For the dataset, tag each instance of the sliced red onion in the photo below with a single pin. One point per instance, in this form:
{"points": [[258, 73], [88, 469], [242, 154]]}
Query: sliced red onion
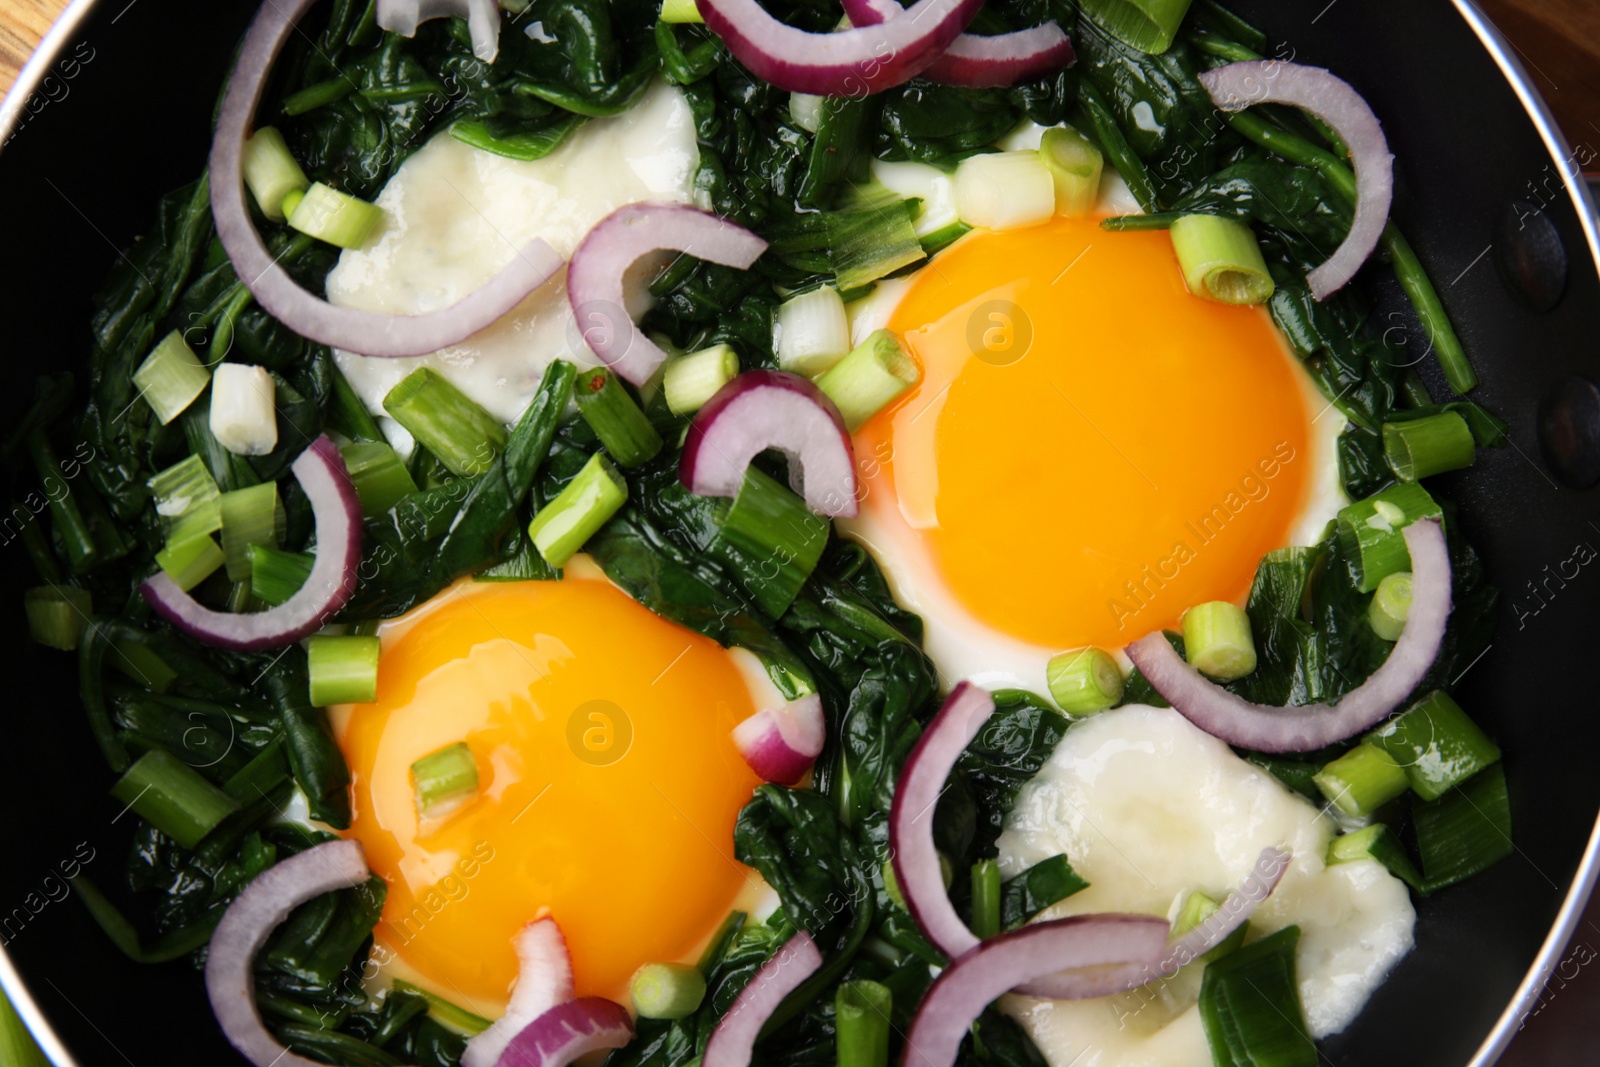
{"points": [[483, 19], [762, 409], [851, 62], [1087, 944], [780, 744], [922, 780], [544, 979], [976, 61], [369, 333], [595, 279], [1267, 81], [337, 510], [245, 927], [734, 1040], [568, 1031], [1301, 729]]}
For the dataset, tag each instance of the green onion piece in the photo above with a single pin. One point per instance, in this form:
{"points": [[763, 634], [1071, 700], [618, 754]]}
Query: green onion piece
{"points": [[443, 781], [337, 218], [1437, 743], [1084, 681], [861, 1013], [1250, 1006], [187, 499], [1391, 606], [1421, 448], [811, 332], [452, 1015], [576, 514], [1221, 260], [17, 1046], [870, 378], [190, 561], [276, 576], [171, 377], [689, 381], [249, 517], [891, 885], [448, 423], [616, 418], [943, 237], [1361, 780], [986, 898], [770, 539], [859, 245], [1197, 908], [1005, 190], [57, 615], [142, 664], [1217, 640], [806, 110], [1370, 531], [379, 475], [1464, 831], [271, 172], [170, 795], [1036, 888], [291, 200], [1375, 842], [1075, 165], [344, 669], [680, 11], [1148, 25], [667, 990]]}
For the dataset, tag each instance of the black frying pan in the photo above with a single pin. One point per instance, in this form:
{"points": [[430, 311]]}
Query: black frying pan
{"points": [[116, 108]]}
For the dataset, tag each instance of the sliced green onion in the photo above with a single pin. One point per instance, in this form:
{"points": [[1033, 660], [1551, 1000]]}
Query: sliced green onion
{"points": [[859, 245], [243, 415], [449, 424], [806, 110], [667, 990], [271, 172], [1464, 831], [1250, 1006], [1375, 842], [811, 332], [870, 378], [576, 514], [1217, 640], [337, 218], [1437, 743], [1197, 907], [170, 795], [1005, 190], [171, 377], [443, 781], [141, 663], [1391, 606], [1421, 448], [1147, 25], [57, 615], [452, 1015], [1036, 888], [276, 576], [1361, 780], [1221, 260], [379, 475], [986, 894], [942, 237], [861, 1013], [343, 669], [249, 517], [187, 499], [689, 381], [680, 11], [1084, 681], [1075, 166], [190, 561], [770, 539], [1370, 531], [616, 418], [17, 1046], [291, 200]]}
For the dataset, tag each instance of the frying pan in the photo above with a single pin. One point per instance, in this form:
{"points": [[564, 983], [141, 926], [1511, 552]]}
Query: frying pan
{"points": [[115, 110]]}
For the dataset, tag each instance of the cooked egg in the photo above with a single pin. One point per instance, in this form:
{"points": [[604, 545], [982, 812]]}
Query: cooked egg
{"points": [[608, 783], [1148, 808]]}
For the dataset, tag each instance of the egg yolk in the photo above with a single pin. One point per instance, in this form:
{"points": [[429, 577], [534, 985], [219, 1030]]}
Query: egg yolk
{"points": [[1091, 449], [608, 780]]}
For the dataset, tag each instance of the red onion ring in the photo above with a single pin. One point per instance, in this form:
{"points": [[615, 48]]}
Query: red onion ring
{"points": [[978, 62], [1302, 729], [337, 510], [369, 333], [245, 927], [1267, 81], [544, 979], [1087, 944], [568, 1031], [846, 63], [922, 778], [594, 281], [733, 1042], [483, 19], [780, 744], [762, 409]]}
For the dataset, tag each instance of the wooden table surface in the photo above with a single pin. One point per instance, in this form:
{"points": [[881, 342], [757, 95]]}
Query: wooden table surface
{"points": [[1559, 42]]}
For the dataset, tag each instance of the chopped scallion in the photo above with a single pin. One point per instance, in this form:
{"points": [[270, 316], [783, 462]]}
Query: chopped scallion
{"points": [[615, 417], [170, 795], [1197, 907], [1375, 842], [804, 108], [1391, 606], [667, 990], [1221, 260], [243, 417], [1084, 681], [870, 378], [190, 561], [986, 892], [187, 499], [689, 381], [811, 332], [861, 1015], [562, 526], [1250, 1006], [271, 172], [379, 475], [249, 517], [1433, 444], [1217, 640], [680, 11], [337, 218], [171, 377], [343, 669], [276, 576], [57, 615], [1075, 165], [1437, 743], [1464, 831], [1005, 190], [1361, 780], [770, 539], [1370, 531], [1147, 25], [444, 780], [449, 424]]}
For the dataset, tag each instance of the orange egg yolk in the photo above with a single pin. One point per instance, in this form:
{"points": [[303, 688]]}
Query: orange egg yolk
{"points": [[609, 784], [1091, 449]]}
